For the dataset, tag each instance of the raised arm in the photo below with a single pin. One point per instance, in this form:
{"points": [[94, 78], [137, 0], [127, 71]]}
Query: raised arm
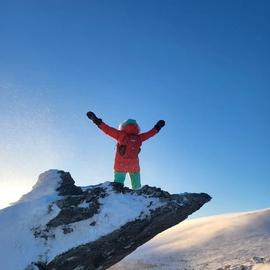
{"points": [[112, 132], [146, 135]]}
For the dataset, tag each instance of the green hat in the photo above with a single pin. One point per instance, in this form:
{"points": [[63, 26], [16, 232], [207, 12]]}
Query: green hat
{"points": [[128, 122]]}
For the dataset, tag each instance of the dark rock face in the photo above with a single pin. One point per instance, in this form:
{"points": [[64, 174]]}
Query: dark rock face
{"points": [[113, 247], [67, 186]]}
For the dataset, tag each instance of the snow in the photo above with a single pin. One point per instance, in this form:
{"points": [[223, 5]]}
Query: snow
{"points": [[207, 243], [117, 209], [18, 246], [35, 209], [262, 266], [46, 186]]}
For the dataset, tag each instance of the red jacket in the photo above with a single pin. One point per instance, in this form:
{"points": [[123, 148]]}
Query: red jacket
{"points": [[122, 164]]}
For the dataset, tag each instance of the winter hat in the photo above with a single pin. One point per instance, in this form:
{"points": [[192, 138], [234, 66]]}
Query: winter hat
{"points": [[128, 122]]}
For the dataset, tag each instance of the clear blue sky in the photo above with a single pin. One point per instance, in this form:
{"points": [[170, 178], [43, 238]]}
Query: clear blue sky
{"points": [[203, 66]]}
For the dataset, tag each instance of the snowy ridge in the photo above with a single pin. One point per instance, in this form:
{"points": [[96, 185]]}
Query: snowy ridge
{"points": [[31, 212], [58, 225], [238, 241]]}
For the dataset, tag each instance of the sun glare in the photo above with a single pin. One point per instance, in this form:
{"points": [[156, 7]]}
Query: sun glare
{"points": [[10, 194]]}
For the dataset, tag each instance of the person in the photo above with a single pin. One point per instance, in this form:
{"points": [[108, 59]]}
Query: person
{"points": [[129, 141]]}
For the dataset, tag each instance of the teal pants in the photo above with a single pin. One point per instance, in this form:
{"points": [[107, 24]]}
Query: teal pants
{"points": [[135, 178]]}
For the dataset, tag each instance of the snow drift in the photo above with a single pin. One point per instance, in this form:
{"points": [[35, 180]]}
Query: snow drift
{"points": [[61, 226], [239, 241]]}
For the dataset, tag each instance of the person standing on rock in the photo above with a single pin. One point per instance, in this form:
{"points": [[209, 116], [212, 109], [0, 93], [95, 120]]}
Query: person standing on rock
{"points": [[129, 141]]}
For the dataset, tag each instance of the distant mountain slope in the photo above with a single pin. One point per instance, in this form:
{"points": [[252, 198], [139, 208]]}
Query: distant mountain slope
{"points": [[232, 241]]}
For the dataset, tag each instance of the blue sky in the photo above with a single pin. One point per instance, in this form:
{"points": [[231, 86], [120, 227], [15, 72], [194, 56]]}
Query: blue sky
{"points": [[203, 66]]}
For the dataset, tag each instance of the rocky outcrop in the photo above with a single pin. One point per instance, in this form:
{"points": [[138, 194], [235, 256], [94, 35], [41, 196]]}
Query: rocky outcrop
{"points": [[77, 205]]}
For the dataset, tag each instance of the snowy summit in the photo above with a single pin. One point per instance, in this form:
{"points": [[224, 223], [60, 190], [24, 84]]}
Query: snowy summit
{"points": [[59, 226]]}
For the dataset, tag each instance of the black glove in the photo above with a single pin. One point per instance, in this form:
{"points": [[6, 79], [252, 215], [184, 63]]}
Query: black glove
{"points": [[160, 124], [93, 117]]}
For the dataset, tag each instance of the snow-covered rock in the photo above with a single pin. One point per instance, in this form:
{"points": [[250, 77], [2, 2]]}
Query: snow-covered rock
{"points": [[60, 226]]}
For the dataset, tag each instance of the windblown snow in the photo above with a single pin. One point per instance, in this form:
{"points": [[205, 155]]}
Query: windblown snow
{"points": [[239, 241], [19, 247]]}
